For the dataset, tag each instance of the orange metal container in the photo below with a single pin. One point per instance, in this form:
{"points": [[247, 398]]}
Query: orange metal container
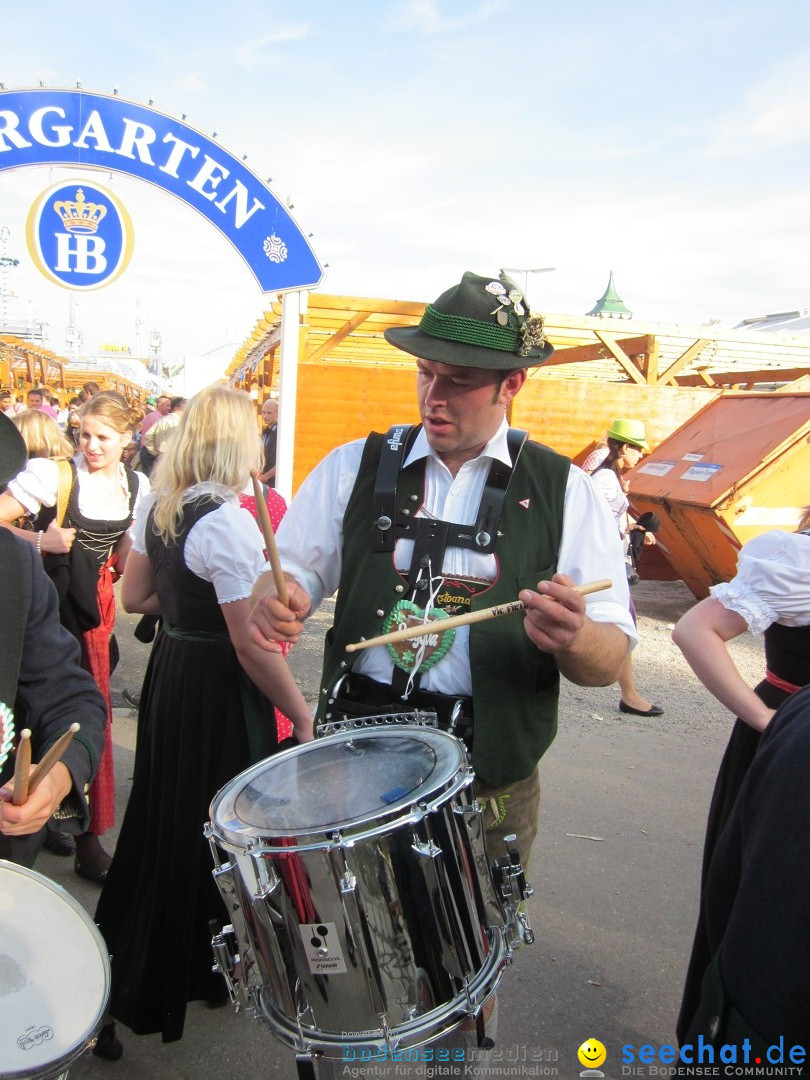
{"points": [[739, 467]]}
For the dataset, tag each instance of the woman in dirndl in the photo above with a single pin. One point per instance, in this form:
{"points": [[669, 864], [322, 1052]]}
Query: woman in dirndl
{"points": [[206, 712], [770, 595], [102, 496]]}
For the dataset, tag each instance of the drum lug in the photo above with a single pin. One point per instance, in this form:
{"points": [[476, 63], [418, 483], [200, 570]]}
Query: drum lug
{"points": [[510, 880], [226, 957], [348, 883], [429, 848]]}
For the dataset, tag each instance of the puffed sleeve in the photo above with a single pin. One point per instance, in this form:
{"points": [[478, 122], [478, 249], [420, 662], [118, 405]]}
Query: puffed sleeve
{"points": [[37, 485], [226, 548], [772, 583]]}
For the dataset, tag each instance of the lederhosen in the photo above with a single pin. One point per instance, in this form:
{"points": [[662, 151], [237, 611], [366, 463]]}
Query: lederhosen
{"points": [[381, 510]]}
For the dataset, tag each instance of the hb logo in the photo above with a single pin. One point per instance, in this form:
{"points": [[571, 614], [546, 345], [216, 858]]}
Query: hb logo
{"points": [[79, 235]]}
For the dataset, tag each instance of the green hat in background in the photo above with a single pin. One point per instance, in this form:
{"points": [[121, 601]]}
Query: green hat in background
{"points": [[629, 431], [483, 322], [13, 453]]}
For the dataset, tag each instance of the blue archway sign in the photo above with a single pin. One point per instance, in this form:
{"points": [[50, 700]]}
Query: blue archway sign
{"points": [[98, 131]]}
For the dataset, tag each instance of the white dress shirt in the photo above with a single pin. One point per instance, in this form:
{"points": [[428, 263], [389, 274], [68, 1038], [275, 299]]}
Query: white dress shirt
{"points": [[310, 544]]}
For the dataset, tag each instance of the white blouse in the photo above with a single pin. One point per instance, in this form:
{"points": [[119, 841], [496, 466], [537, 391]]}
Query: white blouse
{"points": [[607, 483], [225, 547], [772, 583], [38, 485]]}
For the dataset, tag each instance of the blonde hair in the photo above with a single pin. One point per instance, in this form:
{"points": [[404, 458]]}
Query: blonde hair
{"points": [[111, 408], [804, 520], [43, 437], [215, 441]]}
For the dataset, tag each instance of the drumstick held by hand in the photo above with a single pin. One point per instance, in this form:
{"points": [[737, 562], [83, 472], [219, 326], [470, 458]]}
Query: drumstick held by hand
{"points": [[52, 755], [438, 625], [22, 767], [269, 540]]}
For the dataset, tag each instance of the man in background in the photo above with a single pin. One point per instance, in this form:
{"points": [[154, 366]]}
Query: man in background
{"points": [[269, 438]]}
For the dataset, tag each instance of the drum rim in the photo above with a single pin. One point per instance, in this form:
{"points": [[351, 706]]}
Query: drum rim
{"points": [[250, 838], [59, 1064], [425, 1028]]}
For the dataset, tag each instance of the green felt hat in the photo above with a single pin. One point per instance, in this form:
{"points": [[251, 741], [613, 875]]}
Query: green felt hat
{"points": [[629, 431], [482, 322], [13, 454]]}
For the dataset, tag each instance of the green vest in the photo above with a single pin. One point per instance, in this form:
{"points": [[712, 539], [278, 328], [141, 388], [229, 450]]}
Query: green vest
{"points": [[515, 686]]}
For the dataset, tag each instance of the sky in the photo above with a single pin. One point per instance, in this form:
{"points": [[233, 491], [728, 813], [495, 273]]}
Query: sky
{"points": [[417, 139]]}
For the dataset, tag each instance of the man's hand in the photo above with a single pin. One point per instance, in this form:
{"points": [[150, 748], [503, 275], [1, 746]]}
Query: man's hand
{"points": [[271, 622], [57, 541], [38, 807], [555, 614], [587, 653]]}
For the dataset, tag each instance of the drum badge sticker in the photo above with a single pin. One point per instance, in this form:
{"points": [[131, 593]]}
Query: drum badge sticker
{"points": [[79, 235], [322, 948]]}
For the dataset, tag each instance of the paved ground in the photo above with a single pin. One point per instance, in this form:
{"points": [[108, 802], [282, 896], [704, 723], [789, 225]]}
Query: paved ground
{"points": [[615, 871]]}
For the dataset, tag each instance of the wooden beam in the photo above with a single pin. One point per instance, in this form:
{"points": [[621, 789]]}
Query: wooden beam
{"points": [[578, 354], [732, 378], [651, 363], [335, 339], [683, 360], [622, 359]]}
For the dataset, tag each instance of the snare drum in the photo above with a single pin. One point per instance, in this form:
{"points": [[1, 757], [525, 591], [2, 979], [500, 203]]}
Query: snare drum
{"points": [[54, 976], [362, 908]]}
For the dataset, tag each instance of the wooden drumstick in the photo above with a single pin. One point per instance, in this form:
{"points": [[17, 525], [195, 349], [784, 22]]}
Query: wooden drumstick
{"points": [[22, 768], [439, 625], [52, 755], [269, 540]]}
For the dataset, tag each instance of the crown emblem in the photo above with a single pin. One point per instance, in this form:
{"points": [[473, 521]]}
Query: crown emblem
{"points": [[80, 216]]}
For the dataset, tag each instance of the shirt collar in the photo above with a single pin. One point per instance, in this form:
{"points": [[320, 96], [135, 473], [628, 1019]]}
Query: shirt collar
{"points": [[496, 449]]}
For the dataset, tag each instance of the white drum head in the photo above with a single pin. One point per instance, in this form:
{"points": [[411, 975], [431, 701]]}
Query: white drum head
{"points": [[54, 974], [340, 783]]}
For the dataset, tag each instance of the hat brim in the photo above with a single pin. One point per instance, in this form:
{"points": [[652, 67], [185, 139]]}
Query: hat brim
{"points": [[13, 454], [413, 340], [630, 442]]}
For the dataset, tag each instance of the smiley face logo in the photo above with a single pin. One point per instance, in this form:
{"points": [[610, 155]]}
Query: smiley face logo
{"points": [[592, 1054]]}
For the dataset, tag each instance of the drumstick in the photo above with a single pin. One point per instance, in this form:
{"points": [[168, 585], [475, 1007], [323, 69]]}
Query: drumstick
{"points": [[22, 766], [439, 625], [269, 540], [52, 755]]}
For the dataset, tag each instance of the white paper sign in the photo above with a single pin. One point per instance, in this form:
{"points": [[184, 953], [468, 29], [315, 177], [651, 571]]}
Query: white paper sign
{"points": [[656, 468], [322, 948], [702, 473]]}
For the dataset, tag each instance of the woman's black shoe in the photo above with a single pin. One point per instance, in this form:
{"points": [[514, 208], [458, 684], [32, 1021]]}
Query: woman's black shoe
{"points": [[108, 1045], [654, 710], [59, 843], [90, 873]]}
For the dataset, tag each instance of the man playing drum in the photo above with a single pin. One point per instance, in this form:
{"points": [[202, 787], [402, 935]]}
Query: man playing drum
{"points": [[458, 514], [473, 515]]}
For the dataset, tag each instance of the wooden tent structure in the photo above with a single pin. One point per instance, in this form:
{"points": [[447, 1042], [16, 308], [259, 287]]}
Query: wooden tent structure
{"points": [[350, 380], [25, 365]]}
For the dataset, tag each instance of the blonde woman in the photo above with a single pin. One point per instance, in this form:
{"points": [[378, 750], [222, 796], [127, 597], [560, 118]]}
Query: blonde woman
{"points": [[43, 436], [206, 711], [101, 504]]}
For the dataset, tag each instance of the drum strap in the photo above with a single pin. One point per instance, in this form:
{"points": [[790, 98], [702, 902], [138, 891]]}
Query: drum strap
{"points": [[479, 537]]}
